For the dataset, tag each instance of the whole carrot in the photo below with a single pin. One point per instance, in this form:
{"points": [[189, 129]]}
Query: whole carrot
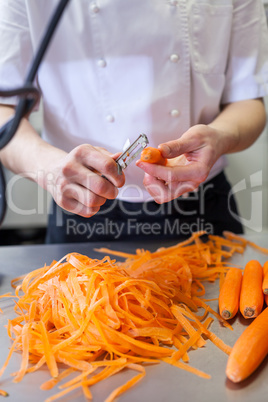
{"points": [[265, 278], [251, 296], [153, 155], [230, 293], [249, 350]]}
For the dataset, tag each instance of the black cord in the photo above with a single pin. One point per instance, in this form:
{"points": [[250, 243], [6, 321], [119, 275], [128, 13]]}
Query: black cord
{"points": [[46, 40], [3, 202], [29, 97]]}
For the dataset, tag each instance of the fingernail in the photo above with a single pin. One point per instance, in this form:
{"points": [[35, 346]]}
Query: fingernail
{"points": [[165, 149]]}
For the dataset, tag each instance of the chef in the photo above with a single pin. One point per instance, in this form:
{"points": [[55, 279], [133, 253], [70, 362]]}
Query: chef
{"points": [[190, 74]]}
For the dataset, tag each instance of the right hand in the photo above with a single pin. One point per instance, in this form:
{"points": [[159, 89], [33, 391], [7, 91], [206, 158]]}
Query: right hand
{"points": [[76, 180]]}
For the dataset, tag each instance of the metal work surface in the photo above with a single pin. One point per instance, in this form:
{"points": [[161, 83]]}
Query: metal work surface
{"points": [[162, 383]]}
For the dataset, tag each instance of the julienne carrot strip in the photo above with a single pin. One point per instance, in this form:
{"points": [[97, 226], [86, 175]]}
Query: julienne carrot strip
{"points": [[25, 352], [87, 392], [3, 393], [54, 381], [117, 253], [236, 242], [6, 295], [118, 391], [222, 320], [79, 377], [79, 310], [245, 242], [50, 358], [179, 342], [15, 340], [186, 367], [251, 296], [219, 343], [189, 343]]}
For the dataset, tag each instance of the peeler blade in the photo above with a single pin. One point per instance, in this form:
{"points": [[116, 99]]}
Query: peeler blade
{"points": [[132, 152]]}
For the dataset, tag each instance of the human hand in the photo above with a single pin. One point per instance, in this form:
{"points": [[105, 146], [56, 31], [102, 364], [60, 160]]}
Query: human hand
{"points": [[81, 181], [190, 159]]}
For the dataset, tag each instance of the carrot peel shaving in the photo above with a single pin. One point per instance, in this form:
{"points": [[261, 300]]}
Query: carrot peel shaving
{"points": [[99, 317]]}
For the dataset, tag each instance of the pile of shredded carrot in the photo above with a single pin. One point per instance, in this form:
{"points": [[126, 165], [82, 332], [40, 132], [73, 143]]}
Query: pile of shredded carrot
{"points": [[99, 317]]}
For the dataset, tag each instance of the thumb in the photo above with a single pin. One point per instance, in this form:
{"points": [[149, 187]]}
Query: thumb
{"points": [[171, 149], [116, 155]]}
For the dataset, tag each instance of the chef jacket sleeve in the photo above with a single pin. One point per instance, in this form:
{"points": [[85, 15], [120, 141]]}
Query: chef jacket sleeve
{"points": [[16, 51], [247, 67]]}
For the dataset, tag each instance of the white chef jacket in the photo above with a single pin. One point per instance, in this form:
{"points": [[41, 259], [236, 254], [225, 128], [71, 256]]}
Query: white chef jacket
{"points": [[118, 68]]}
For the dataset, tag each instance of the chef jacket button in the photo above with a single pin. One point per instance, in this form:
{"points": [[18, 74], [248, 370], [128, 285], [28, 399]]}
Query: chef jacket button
{"points": [[94, 8], [174, 58], [175, 113], [110, 118], [102, 63], [173, 2]]}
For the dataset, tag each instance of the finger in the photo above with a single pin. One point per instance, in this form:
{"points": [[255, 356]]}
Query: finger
{"points": [[101, 162], [180, 188], [94, 182], [75, 207], [160, 191], [116, 155], [157, 189], [75, 172], [164, 192], [73, 192], [192, 172], [190, 141]]}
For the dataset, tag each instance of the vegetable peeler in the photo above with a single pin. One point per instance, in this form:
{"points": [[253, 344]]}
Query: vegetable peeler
{"points": [[132, 152]]}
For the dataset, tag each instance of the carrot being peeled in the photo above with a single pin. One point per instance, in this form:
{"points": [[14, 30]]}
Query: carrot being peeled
{"points": [[230, 293], [153, 155], [251, 296], [249, 350]]}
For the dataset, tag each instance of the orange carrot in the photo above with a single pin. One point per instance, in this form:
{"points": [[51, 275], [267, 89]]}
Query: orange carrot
{"points": [[230, 293], [153, 155], [3, 393], [249, 350], [251, 296], [265, 278]]}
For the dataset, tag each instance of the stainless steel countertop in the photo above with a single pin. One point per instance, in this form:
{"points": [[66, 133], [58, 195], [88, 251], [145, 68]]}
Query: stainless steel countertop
{"points": [[163, 383]]}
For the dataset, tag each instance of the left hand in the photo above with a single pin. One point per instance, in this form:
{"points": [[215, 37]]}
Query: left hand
{"points": [[190, 159]]}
